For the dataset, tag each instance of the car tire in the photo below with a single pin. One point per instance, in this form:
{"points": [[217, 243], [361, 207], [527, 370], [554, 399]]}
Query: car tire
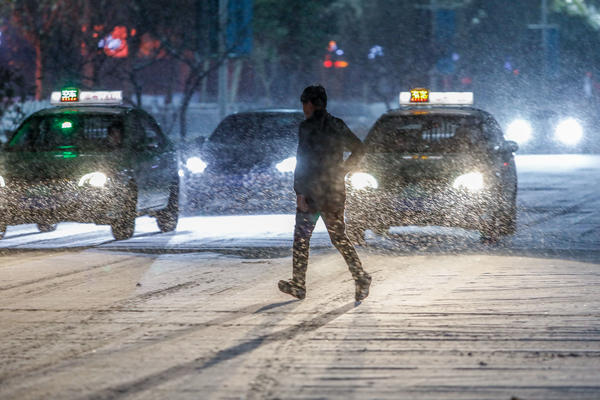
{"points": [[46, 227], [167, 218], [500, 223], [2, 230], [123, 227]]}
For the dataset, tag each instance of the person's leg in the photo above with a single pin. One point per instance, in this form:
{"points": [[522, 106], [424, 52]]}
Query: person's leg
{"points": [[305, 224], [334, 221]]}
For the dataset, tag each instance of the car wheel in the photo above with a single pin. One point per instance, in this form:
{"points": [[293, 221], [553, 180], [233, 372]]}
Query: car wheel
{"points": [[168, 217], [46, 227], [507, 223], [2, 230], [123, 227]]}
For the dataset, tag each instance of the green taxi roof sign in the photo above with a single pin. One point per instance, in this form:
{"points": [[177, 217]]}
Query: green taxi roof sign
{"points": [[72, 96]]}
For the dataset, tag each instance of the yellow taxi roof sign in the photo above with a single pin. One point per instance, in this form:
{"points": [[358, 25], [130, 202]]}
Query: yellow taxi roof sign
{"points": [[425, 97]]}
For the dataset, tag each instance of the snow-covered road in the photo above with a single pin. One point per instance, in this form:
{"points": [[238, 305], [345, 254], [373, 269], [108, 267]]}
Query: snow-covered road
{"points": [[196, 314]]}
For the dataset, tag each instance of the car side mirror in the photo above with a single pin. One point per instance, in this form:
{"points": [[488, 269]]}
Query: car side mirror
{"points": [[511, 145]]}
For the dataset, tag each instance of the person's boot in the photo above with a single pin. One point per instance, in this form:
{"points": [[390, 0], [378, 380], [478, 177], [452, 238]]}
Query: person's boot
{"points": [[292, 288], [362, 287]]}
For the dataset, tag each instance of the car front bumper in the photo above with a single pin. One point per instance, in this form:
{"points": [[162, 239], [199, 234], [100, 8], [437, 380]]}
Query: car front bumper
{"points": [[253, 191], [59, 202], [448, 207]]}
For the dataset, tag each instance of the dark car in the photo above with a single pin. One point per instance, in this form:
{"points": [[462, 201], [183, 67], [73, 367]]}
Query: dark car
{"points": [[446, 166], [94, 163], [553, 130], [247, 164]]}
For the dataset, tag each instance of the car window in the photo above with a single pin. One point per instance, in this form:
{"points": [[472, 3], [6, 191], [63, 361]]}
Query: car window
{"points": [[280, 127], [414, 134], [245, 128], [62, 131]]}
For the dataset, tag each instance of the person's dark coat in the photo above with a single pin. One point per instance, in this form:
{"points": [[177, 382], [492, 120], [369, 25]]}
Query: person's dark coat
{"points": [[320, 166]]}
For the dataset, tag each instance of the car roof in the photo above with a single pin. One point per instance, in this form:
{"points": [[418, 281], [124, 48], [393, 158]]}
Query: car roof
{"points": [[109, 110], [460, 111], [268, 111]]}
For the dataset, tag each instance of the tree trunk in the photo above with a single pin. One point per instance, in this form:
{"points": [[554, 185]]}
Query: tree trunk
{"points": [[39, 68]]}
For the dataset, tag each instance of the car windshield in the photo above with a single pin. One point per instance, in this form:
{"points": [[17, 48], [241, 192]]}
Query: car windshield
{"points": [[91, 132], [245, 128], [431, 134]]}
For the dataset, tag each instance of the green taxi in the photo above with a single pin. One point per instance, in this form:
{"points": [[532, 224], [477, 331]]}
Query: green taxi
{"points": [[89, 159]]}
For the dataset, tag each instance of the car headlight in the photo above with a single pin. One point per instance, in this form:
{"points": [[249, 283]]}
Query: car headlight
{"points": [[287, 165], [96, 179], [362, 181], [568, 132], [2, 182], [195, 165], [519, 130], [473, 181]]}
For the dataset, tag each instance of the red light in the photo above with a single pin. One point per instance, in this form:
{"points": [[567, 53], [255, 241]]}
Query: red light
{"points": [[506, 164], [341, 64], [516, 72], [327, 63]]}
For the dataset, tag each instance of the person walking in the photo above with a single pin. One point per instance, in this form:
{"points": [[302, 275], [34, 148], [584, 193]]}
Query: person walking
{"points": [[319, 183]]}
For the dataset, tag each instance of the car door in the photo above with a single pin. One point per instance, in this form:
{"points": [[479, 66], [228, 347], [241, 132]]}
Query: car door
{"points": [[162, 165]]}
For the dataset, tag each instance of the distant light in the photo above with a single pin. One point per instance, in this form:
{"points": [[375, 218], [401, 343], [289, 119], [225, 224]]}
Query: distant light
{"points": [[569, 132], [520, 131], [341, 64], [332, 46], [375, 51], [2, 182], [455, 56], [328, 63], [515, 72], [339, 52], [508, 65], [195, 165], [66, 125]]}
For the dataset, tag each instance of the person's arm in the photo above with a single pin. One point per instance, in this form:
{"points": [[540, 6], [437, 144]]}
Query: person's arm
{"points": [[356, 147], [301, 203]]}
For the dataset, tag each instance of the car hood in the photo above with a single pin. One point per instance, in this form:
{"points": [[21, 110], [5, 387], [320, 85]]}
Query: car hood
{"points": [[39, 166], [393, 169], [240, 158]]}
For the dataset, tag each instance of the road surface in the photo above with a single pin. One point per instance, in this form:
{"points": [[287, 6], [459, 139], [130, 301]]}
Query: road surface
{"points": [[196, 313]]}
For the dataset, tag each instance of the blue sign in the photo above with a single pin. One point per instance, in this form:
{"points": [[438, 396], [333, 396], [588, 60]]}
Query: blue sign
{"points": [[239, 27]]}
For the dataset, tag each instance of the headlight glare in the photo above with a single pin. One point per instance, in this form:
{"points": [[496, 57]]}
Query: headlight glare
{"points": [[287, 165], [362, 181], [472, 181], [569, 132], [519, 130], [195, 165], [95, 179]]}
